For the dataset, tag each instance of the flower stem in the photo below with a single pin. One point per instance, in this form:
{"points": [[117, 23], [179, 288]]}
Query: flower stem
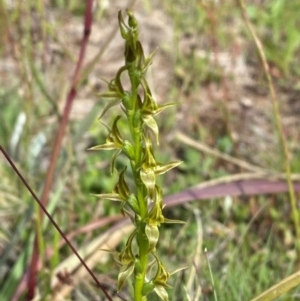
{"points": [[136, 132], [140, 110]]}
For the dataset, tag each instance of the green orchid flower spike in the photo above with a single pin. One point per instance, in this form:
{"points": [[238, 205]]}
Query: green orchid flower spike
{"points": [[143, 203]]}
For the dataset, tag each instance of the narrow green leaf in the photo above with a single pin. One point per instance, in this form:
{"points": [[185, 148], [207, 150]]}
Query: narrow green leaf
{"points": [[280, 288], [178, 270], [140, 58], [159, 109], [173, 221], [109, 94], [106, 146], [163, 168], [148, 61], [124, 29], [109, 196]]}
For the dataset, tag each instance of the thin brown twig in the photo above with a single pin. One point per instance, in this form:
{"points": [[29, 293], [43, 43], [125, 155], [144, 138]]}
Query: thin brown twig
{"points": [[216, 153], [53, 222]]}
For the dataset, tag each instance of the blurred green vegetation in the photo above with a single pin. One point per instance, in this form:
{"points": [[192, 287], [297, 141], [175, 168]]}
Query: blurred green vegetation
{"points": [[250, 241]]}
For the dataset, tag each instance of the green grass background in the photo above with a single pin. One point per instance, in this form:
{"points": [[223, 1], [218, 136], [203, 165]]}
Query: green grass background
{"points": [[250, 241]]}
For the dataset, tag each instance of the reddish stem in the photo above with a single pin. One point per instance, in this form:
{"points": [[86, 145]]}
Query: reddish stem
{"points": [[33, 270]]}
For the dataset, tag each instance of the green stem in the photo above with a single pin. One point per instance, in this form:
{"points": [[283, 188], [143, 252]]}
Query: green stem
{"points": [[136, 129], [143, 256]]}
